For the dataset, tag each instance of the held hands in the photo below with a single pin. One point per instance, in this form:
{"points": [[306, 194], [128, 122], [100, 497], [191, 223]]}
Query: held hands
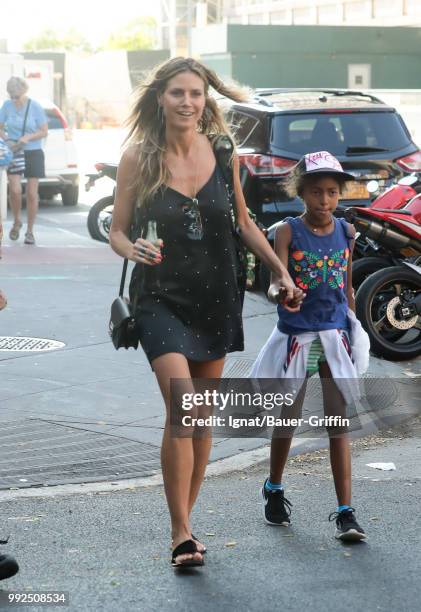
{"points": [[286, 294], [146, 252]]}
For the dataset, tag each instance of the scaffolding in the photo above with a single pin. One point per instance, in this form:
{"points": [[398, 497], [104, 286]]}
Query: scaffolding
{"points": [[178, 17]]}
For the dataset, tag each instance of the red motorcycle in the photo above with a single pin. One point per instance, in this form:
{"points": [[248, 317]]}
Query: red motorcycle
{"points": [[370, 255], [388, 302]]}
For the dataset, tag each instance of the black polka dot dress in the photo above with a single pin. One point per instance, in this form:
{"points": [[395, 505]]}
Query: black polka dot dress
{"points": [[190, 303]]}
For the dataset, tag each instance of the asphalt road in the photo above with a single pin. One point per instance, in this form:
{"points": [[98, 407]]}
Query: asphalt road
{"points": [[110, 551]]}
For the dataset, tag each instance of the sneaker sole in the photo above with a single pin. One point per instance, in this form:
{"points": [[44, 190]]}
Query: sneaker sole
{"points": [[350, 536], [284, 524]]}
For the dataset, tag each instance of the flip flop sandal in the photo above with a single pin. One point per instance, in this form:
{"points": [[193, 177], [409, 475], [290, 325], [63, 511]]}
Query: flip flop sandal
{"points": [[29, 238], [202, 552], [14, 232], [185, 548]]}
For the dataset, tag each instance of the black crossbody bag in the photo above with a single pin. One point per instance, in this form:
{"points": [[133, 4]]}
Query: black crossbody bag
{"points": [[122, 326]]}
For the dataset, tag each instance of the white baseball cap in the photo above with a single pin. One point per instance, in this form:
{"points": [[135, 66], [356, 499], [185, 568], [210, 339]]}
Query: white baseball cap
{"points": [[322, 162]]}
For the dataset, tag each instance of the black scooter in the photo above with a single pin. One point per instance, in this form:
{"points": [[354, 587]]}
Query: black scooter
{"points": [[101, 214]]}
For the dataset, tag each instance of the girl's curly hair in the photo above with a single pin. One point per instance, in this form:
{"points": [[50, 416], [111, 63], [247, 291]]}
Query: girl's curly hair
{"points": [[298, 180]]}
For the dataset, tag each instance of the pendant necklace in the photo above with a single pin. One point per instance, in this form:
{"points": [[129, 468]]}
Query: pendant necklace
{"points": [[317, 229]]}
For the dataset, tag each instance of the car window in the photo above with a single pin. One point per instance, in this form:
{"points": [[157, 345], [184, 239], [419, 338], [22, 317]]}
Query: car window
{"points": [[336, 132], [243, 127]]}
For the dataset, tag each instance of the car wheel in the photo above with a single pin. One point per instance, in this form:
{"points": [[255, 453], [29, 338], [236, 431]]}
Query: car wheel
{"points": [[70, 195], [46, 194]]}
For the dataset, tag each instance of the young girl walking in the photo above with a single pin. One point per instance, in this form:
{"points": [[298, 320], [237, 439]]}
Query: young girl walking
{"points": [[317, 248]]}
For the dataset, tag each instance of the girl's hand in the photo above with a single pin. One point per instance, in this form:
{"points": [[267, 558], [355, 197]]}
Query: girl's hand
{"points": [[294, 304], [281, 295], [146, 252]]}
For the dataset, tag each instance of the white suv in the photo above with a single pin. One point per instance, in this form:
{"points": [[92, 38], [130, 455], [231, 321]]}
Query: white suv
{"points": [[61, 164]]}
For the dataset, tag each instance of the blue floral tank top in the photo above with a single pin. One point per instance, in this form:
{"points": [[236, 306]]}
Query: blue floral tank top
{"points": [[318, 265]]}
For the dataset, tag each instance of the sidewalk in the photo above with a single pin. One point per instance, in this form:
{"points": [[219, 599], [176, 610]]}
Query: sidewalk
{"points": [[110, 551], [87, 413]]}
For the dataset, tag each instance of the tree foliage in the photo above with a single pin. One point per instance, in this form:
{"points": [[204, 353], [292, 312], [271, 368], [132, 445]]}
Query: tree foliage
{"points": [[139, 33], [50, 40]]}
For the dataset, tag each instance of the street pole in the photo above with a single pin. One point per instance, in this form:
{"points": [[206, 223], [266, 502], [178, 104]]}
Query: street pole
{"points": [[189, 26]]}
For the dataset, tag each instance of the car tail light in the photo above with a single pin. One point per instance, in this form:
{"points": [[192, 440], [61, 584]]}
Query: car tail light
{"points": [[266, 165], [57, 112], [411, 163]]}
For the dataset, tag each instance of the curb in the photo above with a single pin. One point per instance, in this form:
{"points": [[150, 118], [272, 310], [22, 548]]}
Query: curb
{"points": [[228, 465]]}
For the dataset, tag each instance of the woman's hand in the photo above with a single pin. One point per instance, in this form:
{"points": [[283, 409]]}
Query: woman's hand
{"points": [[291, 298], [14, 145], [3, 300], [146, 252], [23, 140]]}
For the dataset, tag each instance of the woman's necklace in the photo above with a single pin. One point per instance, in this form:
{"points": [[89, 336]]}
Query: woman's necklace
{"points": [[196, 172], [318, 228]]}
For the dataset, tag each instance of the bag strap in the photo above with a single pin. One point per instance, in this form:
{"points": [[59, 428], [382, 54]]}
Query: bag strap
{"points": [[26, 116], [123, 277], [348, 233], [223, 149], [136, 227]]}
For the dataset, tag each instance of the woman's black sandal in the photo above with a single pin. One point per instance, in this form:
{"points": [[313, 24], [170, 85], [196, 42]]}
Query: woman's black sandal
{"points": [[202, 552], [186, 548]]}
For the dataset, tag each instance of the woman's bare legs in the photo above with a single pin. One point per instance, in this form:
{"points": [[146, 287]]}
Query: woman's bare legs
{"points": [[15, 196], [31, 201], [340, 450], [183, 459], [202, 445]]}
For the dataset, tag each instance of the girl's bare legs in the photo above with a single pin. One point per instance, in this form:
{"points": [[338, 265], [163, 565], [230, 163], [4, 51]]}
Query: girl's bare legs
{"points": [[31, 201], [15, 196], [340, 450], [183, 460], [282, 438]]}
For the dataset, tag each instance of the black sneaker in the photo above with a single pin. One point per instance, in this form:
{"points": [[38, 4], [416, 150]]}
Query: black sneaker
{"points": [[276, 507], [8, 565], [347, 528]]}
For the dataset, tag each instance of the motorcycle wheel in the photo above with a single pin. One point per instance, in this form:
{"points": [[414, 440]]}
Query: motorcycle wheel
{"points": [[99, 219], [362, 268], [376, 307]]}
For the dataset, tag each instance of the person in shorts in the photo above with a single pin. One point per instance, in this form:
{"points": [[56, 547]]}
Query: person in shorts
{"points": [[317, 249], [23, 123]]}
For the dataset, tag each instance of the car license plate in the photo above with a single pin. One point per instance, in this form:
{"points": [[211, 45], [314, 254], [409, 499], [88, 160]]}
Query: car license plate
{"points": [[355, 191]]}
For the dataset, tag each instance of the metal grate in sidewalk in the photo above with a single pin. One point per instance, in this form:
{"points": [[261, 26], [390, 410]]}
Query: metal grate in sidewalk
{"points": [[237, 367], [36, 453], [23, 344]]}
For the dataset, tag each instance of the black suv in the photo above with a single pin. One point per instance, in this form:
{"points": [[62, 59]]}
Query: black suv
{"points": [[275, 128]]}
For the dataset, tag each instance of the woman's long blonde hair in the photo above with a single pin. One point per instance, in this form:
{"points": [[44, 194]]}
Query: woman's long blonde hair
{"points": [[147, 128]]}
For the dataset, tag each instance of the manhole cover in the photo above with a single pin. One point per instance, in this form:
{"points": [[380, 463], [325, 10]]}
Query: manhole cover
{"points": [[15, 343], [36, 453]]}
